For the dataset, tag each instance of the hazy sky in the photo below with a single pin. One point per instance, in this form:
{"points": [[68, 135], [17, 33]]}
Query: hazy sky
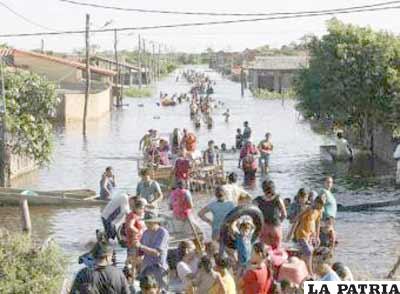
{"points": [[62, 16]]}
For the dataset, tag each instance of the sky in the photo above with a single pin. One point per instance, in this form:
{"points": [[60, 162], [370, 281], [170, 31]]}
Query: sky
{"points": [[233, 37]]}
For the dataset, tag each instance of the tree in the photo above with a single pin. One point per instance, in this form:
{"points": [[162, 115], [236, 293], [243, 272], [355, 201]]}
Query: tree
{"points": [[353, 79], [30, 101]]}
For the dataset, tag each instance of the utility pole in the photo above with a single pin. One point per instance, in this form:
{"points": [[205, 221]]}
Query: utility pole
{"points": [[140, 64], [242, 81], [149, 67], [4, 159], [87, 74], [158, 62], [153, 63], [146, 74], [119, 88]]}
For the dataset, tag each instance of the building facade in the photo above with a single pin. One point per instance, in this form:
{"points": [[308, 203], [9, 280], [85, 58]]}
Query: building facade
{"points": [[274, 73]]}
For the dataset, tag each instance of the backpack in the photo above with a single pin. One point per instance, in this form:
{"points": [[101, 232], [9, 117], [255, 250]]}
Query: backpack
{"points": [[85, 282]]}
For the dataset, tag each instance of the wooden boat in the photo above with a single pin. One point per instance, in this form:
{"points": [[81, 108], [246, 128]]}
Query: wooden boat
{"points": [[206, 177], [78, 197], [330, 152], [157, 172], [168, 102], [368, 206]]}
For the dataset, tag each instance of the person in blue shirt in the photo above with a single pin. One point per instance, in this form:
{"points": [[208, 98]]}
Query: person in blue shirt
{"points": [[218, 209], [243, 234], [330, 208]]}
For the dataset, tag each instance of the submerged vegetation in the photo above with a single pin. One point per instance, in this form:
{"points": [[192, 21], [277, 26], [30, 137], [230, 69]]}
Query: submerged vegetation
{"points": [[26, 268], [135, 92], [266, 94]]}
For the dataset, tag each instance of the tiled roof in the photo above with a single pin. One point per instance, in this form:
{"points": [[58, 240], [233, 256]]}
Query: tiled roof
{"points": [[17, 52], [6, 52], [124, 64], [279, 62]]}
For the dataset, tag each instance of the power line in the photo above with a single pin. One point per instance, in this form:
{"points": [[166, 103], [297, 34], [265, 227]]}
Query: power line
{"points": [[199, 23], [223, 13], [25, 18]]}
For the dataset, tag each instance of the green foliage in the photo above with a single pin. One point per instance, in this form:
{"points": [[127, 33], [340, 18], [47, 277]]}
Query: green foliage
{"points": [[27, 269], [293, 49], [138, 93], [353, 78], [193, 58], [266, 94], [30, 100], [169, 67]]}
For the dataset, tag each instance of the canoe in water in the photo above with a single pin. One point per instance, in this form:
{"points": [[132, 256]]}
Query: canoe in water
{"points": [[330, 152], [368, 206], [168, 102], [78, 197]]}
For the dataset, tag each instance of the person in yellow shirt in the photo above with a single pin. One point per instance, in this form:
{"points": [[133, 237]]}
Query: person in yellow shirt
{"points": [[306, 230], [227, 283]]}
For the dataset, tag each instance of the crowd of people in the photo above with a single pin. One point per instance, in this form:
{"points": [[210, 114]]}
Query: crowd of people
{"points": [[257, 261], [237, 243]]}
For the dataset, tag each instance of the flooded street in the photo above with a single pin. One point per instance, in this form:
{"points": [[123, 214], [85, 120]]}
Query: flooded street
{"points": [[368, 242]]}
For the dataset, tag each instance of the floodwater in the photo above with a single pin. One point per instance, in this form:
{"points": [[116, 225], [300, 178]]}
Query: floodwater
{"points": [[368, 241]]}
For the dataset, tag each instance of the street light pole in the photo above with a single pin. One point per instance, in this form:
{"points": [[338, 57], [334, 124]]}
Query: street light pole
{"points": [[4, 162]]}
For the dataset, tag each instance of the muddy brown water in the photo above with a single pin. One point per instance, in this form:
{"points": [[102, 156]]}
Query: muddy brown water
{"points": [[368, 241]]}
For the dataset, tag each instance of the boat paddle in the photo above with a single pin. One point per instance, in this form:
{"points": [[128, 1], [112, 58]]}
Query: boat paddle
{"points": [[196, 235]]}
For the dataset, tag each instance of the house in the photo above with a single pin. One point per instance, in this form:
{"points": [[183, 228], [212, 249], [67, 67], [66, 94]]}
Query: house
{"points": [[129, 72], [236, 72], [69, 78], [274, 73]]}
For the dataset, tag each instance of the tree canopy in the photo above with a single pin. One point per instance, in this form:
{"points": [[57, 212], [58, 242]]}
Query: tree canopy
{"points": [[30, 101], [353, 77]]}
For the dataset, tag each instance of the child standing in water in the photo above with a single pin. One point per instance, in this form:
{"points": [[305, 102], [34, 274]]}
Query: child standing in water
{"points": [[227, 114], [243, 233], [239, 139]]}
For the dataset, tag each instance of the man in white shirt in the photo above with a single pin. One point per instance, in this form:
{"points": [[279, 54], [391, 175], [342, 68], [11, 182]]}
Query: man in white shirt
{"points": [[396, 156], [233, 190], [343, 150], [113, 215]]}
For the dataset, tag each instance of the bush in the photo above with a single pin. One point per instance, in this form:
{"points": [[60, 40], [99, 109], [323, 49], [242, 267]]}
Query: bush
{"points": [[266, 94], [25, 268], [138, 93]]}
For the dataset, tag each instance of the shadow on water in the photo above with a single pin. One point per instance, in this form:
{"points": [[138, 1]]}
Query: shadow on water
{"points": [[365, 238]]}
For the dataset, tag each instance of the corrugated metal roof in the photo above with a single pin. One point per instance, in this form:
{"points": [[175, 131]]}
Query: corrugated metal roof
{"points": [[17, 52], [279, 62]]}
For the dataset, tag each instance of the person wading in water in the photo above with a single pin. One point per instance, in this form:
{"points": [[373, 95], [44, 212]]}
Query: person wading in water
{"points": [[274, 212], [107, 184], [265, 147]]}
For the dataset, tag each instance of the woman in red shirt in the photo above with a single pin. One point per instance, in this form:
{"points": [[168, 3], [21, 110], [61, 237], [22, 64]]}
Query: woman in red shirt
{"points": [[258, 278]]}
